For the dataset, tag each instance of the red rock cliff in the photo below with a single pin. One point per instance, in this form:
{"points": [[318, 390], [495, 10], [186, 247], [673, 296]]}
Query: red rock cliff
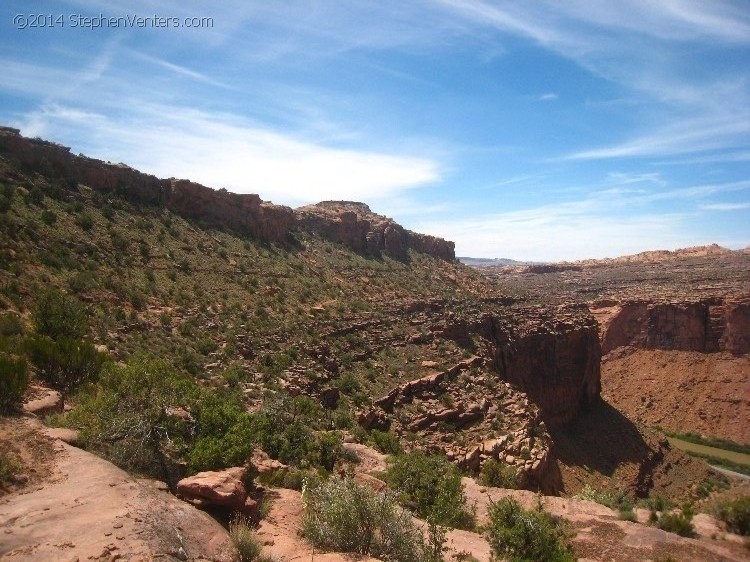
{"points": [[553, 357], [705, 326], [356, 226], [243, 213], [552, 354]]}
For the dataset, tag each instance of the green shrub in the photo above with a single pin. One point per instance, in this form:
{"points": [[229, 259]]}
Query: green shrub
{"points": [[58, 315], [64, 363], [736, 514], [48, 217], [9, 467], [498, 474], [680, 523], [14, 380], [293, 479], [431, 487], [618, 499], [135, 416], [223, 430], [343, 516], [385, 442], [85, 221], [656, 503], [10, 324], [521, 535]]}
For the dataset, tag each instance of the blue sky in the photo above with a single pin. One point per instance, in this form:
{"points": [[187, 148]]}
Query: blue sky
{"points": [[540, 130]]}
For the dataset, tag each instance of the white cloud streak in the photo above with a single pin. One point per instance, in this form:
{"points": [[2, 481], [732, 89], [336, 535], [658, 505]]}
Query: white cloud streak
{"points": [[220, 150]]}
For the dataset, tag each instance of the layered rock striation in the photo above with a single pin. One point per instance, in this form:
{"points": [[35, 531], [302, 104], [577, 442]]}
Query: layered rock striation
{"points": [[352, 224], [707, 325], [356, 226]]}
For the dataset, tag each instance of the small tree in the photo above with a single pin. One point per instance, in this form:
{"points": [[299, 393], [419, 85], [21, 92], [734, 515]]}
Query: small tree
{"points": [[58, 315], [134, 416]]}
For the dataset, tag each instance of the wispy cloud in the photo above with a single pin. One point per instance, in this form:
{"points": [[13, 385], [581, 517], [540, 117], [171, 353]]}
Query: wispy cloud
{"points": [[726, 206], [605, 223], [177, 69], [220, 150], [548, 97], [696, 135]]}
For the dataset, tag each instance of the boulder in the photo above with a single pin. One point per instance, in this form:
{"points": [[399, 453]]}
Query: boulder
{"points": [[48, 402], [221, 488]]}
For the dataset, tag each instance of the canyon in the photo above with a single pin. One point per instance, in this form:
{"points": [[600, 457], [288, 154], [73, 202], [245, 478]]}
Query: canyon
{"points": [[550, 370]]}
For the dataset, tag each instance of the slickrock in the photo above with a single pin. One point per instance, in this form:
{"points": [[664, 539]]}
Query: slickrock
{"points": [[45, 401], [87, 509]]}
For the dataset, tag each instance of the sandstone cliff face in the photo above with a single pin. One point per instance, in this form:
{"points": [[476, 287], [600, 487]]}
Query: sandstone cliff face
{"points": [[706, 326], [352, 224], [242, 213], [356, 226], [554, 360]]}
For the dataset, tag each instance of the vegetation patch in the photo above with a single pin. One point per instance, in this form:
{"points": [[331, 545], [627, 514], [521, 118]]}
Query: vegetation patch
{"points": [[522, 535], [14, 380], [736, 515], [498, 474], [431, 487], [340, 515]]}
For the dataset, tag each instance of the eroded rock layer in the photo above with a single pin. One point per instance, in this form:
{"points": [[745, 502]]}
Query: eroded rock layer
{"points": [[706, 326], [356, 226]]}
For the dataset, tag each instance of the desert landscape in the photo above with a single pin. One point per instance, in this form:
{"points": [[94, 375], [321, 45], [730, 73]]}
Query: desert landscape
{"points": [[194, 374]]}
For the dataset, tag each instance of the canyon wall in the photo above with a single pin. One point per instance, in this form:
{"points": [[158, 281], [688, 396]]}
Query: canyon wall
{"points": [[555, 360], [243, 213], [706, 326], [352, 224]]}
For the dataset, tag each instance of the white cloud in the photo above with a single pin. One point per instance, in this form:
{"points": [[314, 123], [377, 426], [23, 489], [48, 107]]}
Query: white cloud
{"points": [[607, 223], [696, 135], [219, 150], [550, 237], [547, 97]]}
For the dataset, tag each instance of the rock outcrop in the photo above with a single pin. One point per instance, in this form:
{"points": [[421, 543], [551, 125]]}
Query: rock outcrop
{"points": [[352, 224], [706, 326], [552, 356], [356, 226], [85, 508], [240, 212]]}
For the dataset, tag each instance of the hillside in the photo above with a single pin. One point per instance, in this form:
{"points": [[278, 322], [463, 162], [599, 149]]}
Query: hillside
{"points": [[227, 324]]}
